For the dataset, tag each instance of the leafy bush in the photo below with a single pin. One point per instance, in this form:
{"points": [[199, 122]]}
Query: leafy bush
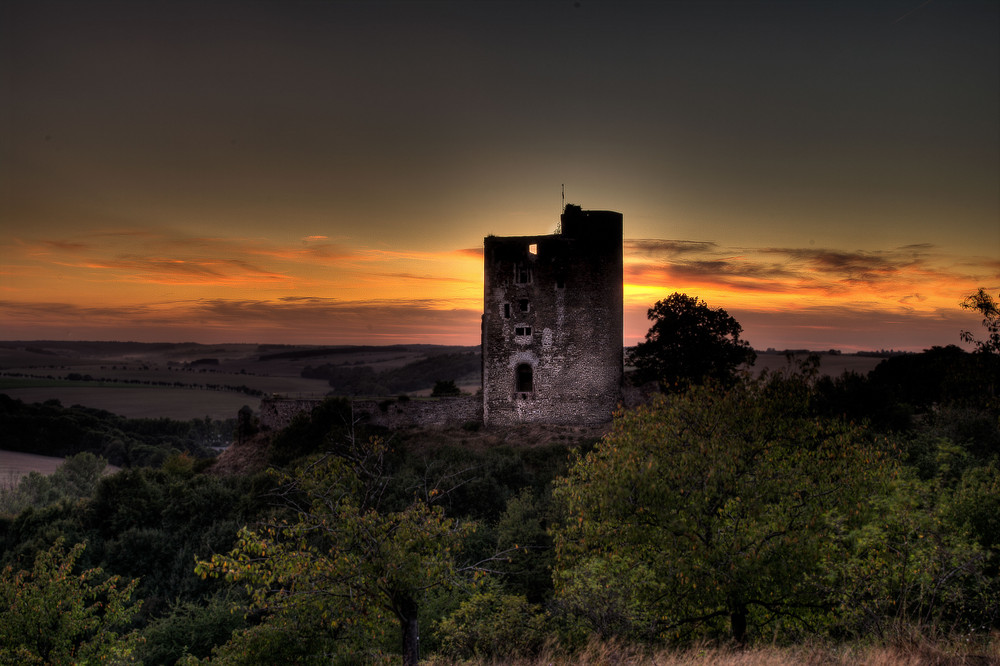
{"points": [[491, 624], [52, 615]]}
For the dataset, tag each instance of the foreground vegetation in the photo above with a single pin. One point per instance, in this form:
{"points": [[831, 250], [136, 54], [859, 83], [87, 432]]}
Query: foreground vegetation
{"points": [[783, 519], [907, 651]]}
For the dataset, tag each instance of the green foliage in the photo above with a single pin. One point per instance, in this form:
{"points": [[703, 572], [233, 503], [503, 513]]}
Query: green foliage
{"points": [[689, 344], [701, 513], [54, 430], [522, 533], [75, 478], [913, 564], [152, 524], [343, 568], [330, 426], [902, 389], [51, 615], [707, 507], [492, 625], [189, 630], [145, 523]]}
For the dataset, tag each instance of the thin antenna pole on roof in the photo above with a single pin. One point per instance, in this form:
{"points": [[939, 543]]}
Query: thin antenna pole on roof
{"points": [[564, 196]]}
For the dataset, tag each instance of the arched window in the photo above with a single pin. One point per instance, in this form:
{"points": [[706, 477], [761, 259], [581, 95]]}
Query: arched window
{"points": [[525, 382]]}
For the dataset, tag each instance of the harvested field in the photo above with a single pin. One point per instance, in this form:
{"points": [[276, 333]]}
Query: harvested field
{"points": [[14, 465], [832, 365], [181, 404], [151, 381]]}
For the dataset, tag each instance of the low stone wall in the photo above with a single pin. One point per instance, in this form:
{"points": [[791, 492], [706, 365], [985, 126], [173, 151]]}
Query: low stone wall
{"points": [[424, 412], [277, 413]]}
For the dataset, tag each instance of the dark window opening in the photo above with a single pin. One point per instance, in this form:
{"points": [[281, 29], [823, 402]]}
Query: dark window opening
{"points": [[522, 330], [506, 310], [560, 282], [525, 383], [523, 304], [522, 274]]}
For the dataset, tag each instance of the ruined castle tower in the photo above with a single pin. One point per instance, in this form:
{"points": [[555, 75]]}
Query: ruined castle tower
{"points": [[552, 323]]}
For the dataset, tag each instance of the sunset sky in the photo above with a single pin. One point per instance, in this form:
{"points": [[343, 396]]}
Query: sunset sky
{"points": [[324, 172]]}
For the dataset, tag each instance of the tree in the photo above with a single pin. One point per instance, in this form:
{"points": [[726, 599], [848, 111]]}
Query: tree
{"points": [[709, 506], [76, 477], [984, 304], [688, 344], [915, 563], [50, 615], [493, 625], [344, 565], [445, 388]]}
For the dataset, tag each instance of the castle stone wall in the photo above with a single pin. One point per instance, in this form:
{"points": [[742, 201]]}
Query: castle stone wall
{"points": [[553, 323], [552, 334], [277, 413]]}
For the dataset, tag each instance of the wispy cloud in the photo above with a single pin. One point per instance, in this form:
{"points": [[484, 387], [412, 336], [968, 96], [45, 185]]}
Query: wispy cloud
{"points": [[162, 270], [668, 248], [66, 246], [313, 289], [295, 319], [424, 278], [906, 275]]}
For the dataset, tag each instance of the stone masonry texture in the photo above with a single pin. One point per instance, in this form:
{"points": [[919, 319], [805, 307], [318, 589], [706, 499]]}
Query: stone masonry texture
{"points": [[552, 323]]}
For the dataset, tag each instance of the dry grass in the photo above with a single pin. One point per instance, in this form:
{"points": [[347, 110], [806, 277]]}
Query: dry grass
{"points": [[613, 654]]}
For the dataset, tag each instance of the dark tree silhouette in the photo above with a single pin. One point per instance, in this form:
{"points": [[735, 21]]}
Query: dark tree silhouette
{"points": [[444, 388], [688, 344], [984, 304]]}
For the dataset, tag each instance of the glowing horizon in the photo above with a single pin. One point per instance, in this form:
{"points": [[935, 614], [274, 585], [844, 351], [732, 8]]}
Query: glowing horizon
{"points": [[324, 173], [315, 290]]}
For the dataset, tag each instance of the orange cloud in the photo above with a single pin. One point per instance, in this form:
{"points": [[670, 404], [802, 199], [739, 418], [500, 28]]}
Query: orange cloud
{"points": [[886, 276], [471, 252], [239, 289], [158, 270], [291, 319]]}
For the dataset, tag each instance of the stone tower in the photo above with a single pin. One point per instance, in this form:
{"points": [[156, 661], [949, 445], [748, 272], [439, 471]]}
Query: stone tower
{"points": [[552, 323]]}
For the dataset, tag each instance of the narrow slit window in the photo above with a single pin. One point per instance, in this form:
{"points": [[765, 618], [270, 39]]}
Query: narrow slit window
{"points": [[525, 379], [506, 310]]}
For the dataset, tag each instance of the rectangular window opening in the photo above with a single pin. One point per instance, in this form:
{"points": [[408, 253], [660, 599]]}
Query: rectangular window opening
{"points": [[522, 330], [523, 304], [506, 310], [522, 274], [533, 248]]}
